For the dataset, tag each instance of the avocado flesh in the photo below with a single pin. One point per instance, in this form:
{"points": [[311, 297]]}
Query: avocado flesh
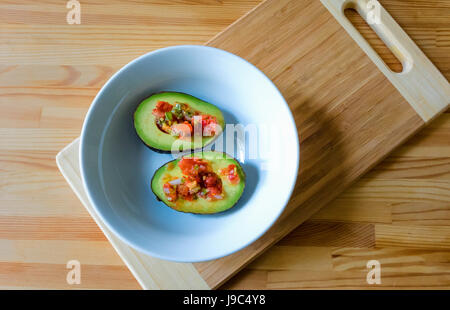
{"points": [[152, 136], [231, 192]]}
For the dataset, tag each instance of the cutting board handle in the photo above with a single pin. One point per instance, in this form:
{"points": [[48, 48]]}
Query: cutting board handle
{"points": [[420, 82]]}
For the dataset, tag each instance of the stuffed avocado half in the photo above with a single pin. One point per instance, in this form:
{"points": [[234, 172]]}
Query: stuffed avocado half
{"points": [[171, 121], [202, 182]]}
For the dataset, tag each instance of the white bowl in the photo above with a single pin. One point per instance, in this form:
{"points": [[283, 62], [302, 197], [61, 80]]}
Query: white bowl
{"points": [[117, 167]]}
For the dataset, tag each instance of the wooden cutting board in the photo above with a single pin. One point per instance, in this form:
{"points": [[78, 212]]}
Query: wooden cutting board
{"points": [[350, 111]]}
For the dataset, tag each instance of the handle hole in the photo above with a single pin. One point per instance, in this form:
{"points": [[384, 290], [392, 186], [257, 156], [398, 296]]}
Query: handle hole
{"points": [[374, 40]]}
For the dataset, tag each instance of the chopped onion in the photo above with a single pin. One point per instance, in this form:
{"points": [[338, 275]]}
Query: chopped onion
{"points": [[218, 196], [175, 182], [166, 190]]}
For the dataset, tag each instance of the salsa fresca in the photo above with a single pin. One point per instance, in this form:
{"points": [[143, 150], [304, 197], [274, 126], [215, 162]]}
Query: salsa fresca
{"points": [[198, 181], [231, 173], [181, 121]]}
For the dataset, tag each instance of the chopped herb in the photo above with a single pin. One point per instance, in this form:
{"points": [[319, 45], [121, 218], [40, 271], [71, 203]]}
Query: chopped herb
{"points": [[169, 116], [177, 111]]}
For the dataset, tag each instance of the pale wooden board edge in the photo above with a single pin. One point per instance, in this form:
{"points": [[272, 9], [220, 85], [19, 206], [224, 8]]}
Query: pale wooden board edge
{"points": [[421, 84], [150, 272]]}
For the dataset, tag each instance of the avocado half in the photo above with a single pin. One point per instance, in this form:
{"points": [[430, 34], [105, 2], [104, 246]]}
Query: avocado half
{"points": [[153, 137], [217, 160]]}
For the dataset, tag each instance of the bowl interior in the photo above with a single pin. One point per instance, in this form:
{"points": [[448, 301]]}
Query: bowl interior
{"points": [[117, 167]]}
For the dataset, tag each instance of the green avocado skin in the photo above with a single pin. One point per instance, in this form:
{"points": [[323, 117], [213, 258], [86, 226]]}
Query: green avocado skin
{"points": [[161, 142], [217, 160]]}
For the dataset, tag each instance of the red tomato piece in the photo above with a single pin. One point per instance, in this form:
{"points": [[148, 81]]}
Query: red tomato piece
{"points": [[192, 166], [183, 190], [212, 191], [210, 180], [208, 124], [231, 173], [181, 130], [161, 108]]}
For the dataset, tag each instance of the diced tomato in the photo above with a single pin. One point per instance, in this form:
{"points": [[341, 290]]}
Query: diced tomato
{"points": [[183, 191], [212, 191], [210, 130], [192, 166], [231, 173], [181, 130], [164, 106], [208, 124], [198, 181], [186, 165], [211, 179], [189, 125], [215, 192], [234, 178], [158, 114], [189, 197], [161, 108], [214, 185], [208, 119], [170, 192]]}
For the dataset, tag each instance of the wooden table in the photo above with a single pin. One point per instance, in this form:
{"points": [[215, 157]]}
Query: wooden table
{"points": [[50, 71]]}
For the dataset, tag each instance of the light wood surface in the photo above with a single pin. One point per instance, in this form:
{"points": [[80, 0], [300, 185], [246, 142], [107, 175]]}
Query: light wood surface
{"points": [[420, 82], [50, 72]]}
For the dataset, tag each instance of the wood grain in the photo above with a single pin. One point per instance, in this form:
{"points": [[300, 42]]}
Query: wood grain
{"points": [[419, 82], [46, 63], [346, 124], [345, 268]]}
